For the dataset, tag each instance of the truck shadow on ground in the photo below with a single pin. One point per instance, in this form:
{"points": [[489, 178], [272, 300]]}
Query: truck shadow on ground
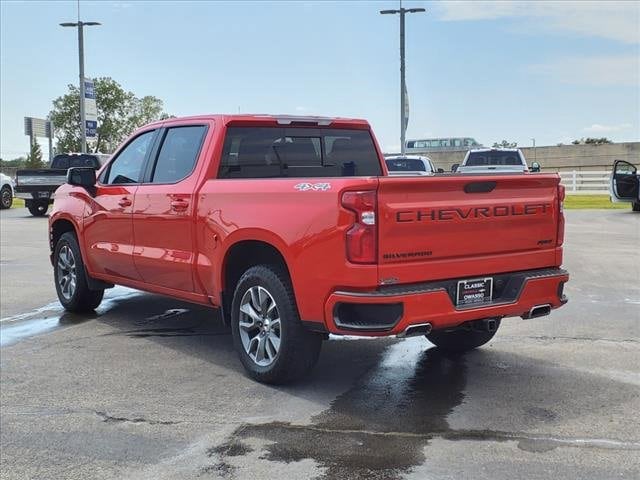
{"points": [[388, 399]]}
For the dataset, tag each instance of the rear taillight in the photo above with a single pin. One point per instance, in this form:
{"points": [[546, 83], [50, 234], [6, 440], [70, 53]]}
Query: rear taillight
{"points": [[362, 237], [561, 195]]}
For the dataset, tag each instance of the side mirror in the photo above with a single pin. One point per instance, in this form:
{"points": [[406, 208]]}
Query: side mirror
{"points": [[82, 177], [441, 170], [454, 167], [535, 167]]}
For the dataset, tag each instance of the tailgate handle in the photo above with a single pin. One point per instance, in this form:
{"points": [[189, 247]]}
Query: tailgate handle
{"points": [[479, 187]]}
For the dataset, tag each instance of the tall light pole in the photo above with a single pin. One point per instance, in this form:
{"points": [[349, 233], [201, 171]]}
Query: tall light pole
{"points": [[83, 127], [403, 87]]}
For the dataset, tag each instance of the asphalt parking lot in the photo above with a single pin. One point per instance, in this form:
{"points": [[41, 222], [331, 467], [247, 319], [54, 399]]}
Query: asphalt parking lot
{"points": [[150, 387]]}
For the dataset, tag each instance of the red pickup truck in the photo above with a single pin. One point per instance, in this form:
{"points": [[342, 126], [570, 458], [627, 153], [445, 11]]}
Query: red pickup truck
{"points": [[292, 227]]}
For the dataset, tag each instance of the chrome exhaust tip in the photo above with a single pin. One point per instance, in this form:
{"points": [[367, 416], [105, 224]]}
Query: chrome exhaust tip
{"points": [[416, 330], [538, 311]]}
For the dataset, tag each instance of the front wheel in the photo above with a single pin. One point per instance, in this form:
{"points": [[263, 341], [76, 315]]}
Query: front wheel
{"points": [[6, 197], [635, 206], [461, 339], [38, 208], [70, 277], [272, 344]]}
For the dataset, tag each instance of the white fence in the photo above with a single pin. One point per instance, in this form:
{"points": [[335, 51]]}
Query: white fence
{"points": [[586, 181]]}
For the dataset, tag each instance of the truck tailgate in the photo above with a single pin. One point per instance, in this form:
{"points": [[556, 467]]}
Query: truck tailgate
{"points": [[457, 225], [42, 177]]}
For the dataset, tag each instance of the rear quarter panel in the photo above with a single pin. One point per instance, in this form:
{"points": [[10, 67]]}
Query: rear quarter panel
{"points": [[307, 227]]}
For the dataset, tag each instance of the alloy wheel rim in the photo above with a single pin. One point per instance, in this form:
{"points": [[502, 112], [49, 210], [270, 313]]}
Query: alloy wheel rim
{"points": [[66, 268], [6, 197], [260, 327]]}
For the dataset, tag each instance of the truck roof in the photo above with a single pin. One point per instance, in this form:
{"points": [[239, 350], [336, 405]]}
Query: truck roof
{"points": [[270, 119]]}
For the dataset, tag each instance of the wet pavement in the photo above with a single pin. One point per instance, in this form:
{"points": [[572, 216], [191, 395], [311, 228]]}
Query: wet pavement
{"points": [[151, 388]]}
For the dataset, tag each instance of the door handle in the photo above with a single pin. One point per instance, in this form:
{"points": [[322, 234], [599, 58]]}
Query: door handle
{"points": [[124, 202], [179, 205]]}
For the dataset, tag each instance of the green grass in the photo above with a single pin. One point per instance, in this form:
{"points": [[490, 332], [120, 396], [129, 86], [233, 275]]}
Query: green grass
{"points": [[18, 203], [581, 202]]}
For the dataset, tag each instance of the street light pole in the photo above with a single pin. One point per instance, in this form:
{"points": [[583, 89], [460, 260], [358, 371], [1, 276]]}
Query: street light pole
{"points": [[403, 86], [83, 129]]}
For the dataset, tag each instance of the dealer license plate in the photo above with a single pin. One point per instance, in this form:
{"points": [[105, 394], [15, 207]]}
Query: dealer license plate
{"points": [[471, 292]]}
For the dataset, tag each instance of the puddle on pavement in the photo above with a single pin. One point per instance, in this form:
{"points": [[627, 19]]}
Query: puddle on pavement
{"points": [[377, 429], [52, 316], [380, 427]]}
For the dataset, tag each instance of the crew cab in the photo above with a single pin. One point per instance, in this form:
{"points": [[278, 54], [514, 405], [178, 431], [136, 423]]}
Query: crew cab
{"points": [[625, 184], [293, 228], [503, 160], [36, 186]]}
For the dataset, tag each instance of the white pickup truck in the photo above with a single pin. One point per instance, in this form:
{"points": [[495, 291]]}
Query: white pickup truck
{"points": [[495, 160]]}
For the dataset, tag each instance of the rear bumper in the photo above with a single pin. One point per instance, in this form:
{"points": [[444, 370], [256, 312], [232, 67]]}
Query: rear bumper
{"points": [[390, 310]]}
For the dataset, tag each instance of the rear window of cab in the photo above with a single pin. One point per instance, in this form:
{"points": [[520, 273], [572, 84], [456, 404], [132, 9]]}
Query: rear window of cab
{"points": [[276, 152]]}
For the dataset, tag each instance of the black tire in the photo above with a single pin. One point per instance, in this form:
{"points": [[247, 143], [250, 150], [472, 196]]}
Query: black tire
{"points": [[38, 208], [81, 299], [461, 339], [635, 206], [6, 197], [299, 348]]}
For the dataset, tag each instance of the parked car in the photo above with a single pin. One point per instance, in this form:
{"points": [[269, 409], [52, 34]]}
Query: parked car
{"points": [[408, 165], [6, 191], [36, 186], [625, 184], [290, 226], [503, 160]]}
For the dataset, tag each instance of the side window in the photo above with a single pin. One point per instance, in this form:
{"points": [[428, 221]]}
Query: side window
{"points": [[178, 154], [127, 167]]}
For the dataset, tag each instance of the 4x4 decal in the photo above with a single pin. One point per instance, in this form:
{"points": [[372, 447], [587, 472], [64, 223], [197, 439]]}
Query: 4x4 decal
{"points": [[321, 187]]}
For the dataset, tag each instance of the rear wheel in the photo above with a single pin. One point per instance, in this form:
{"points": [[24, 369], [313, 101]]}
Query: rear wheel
{"points": [[461, 339], [70, 277], [635, 206], [38, 208], [272, 344], [6, 197]]}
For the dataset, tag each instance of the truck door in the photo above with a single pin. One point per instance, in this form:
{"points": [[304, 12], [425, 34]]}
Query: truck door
{"points": [[108, 228], [163, 222], [624, 181]]}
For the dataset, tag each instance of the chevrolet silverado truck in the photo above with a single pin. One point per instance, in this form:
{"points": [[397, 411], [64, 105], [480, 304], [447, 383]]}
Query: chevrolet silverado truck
{"points": [[36, 186], [292, 227]]}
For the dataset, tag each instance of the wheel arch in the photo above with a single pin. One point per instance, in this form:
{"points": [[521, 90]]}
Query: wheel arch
{"points": [[239, 257]]}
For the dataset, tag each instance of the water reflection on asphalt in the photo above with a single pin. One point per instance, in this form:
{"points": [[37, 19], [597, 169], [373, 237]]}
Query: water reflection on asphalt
{"points": [[52, 317]]}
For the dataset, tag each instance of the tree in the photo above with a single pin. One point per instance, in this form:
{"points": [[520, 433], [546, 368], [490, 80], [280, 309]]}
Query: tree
{"points": [[19, 162], [34, 160], [119, 113], [505, 144], [592, 141]]}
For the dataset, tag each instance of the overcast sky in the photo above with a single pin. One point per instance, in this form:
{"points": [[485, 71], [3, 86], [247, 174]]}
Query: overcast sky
{"points": [[554, 71]]}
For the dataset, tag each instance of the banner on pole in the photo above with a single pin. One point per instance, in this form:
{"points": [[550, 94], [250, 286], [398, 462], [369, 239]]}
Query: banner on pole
{"points": [[90, 109], [406, 106]]}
